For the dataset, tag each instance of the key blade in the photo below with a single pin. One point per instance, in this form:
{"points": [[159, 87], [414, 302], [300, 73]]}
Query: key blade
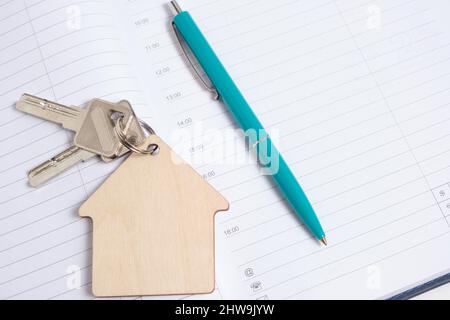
{"points": [[57, 165], [68, 117]]}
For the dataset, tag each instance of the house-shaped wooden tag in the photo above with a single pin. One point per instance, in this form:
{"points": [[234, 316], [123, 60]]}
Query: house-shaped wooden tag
{"points": [[153, 228]]}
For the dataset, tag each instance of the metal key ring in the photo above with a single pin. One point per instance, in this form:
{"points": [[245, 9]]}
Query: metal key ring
{"points": [[151, 149]]}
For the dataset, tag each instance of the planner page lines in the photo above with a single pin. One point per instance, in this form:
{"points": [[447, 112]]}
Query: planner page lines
{"points": [[44, 245], [365, 129], [219, 119], [376, 153], [324, 22], [428, 118], [444, 151]]}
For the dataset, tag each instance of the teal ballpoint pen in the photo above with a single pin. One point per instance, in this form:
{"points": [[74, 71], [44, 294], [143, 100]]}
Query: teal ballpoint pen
{"points": [[229, 93]]}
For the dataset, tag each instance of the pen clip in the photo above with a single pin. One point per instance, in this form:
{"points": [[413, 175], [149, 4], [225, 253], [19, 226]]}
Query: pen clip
{"points": [[187, 53]]}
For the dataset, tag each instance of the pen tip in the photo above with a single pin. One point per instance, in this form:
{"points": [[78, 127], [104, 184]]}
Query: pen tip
{"points": [[324, 241]]}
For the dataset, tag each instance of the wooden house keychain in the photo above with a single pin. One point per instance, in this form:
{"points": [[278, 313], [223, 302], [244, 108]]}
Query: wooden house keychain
{"points": [[153, 225]]}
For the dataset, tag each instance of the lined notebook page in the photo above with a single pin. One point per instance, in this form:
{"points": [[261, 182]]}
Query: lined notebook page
{"points": [[358, 92], [68, 51], [71, 52]]}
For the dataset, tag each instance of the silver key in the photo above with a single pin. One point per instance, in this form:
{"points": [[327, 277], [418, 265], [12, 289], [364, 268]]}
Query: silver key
{"points": [[97, 133], [69, 158], [58, 164], [67, 116], [81, 121], [93, 125]]}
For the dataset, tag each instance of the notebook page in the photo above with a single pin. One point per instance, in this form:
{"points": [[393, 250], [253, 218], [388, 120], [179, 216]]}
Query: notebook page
{"points": [[358, 94], [70, 52], [67, 51]]}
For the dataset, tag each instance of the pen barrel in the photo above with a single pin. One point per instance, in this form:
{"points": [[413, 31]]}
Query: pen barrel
{"points": [[244, 115], [294, 194], [219, 77]]}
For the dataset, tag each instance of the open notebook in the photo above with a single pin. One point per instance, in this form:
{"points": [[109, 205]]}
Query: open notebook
{"points": [[358, 92]]}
